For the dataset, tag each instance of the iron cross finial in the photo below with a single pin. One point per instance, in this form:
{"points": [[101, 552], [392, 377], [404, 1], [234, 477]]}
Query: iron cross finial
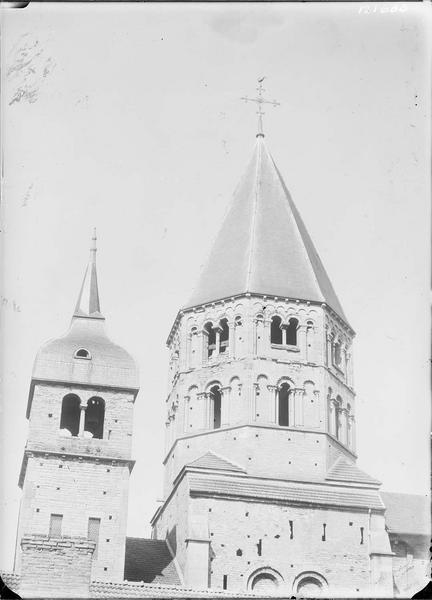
{"points": [[260, 100]]}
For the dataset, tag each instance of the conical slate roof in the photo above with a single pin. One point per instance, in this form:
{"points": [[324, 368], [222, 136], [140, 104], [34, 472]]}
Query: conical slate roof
{"points": [[263, 246]]}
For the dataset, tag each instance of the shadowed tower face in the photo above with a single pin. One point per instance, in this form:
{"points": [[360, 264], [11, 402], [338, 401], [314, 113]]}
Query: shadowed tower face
{"points": [[77, 460], [260, 429]]}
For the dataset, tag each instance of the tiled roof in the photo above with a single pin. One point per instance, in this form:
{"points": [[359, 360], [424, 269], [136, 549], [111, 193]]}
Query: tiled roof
{"points": [[344, 470], [99, 589], [149, 561], [214, 461], [286, 493], [407, 513], [263, 246], [11, 580]]}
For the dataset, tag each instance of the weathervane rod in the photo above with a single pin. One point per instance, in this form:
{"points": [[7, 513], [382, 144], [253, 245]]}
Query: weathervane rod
{"points": [[260, 100]]}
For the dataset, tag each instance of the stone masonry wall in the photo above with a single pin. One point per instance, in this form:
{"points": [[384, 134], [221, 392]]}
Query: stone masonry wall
{"points": [[238, 528], [59, 567], [263, 451], [78, 488]]}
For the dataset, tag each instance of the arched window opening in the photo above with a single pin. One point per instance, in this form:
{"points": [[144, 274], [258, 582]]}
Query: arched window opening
{"points": [[292, 332], [276, 330], [283, 405], [82, 353], [338, 417], [94, 417], [224, 336], [193, 344], [309, 587], [211, 339], [264, 582], [70, 414], [216, 402], [337, 356]]}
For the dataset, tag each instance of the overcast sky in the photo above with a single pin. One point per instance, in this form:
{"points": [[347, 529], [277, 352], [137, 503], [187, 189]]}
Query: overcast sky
{"points": [[129, 118]]}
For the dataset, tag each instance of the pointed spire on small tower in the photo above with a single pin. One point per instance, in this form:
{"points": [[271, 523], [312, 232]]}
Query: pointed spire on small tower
{"points": [[88, 305]]}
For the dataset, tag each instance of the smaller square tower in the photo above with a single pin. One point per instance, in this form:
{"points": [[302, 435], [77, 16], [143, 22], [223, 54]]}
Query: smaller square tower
{"points": [[77, 459]]}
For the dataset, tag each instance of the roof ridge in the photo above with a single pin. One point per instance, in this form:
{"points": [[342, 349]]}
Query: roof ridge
{"points": [[257, 187], [292, 209]]}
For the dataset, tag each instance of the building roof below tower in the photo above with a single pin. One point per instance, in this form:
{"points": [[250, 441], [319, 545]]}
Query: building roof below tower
{"points": [[344, 470], [210, 460], [407, 513], [149, 561]]}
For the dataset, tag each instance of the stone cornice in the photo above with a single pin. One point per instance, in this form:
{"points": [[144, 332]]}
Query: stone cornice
{"points": [[256, 426], [221, 301], [267, 480], [28, 451]]}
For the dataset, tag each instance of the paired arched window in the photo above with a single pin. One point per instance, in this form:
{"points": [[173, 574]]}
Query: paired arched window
{"points": [[217, 337], [282, 334], [70, 414], [94, 417], [283, 405], [216, 407]]}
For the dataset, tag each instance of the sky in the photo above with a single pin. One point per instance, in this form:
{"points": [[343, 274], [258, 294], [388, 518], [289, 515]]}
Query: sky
{"points": [[128, 118]]}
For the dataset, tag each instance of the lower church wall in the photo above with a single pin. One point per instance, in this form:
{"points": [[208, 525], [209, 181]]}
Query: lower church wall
{"points": [[247, 537]]}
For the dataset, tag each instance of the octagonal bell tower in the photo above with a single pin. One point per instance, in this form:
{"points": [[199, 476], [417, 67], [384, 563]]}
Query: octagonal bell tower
{"points": [[260, 462], [261, 354]]}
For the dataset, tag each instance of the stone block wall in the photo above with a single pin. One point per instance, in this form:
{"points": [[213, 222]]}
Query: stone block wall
{"points": [[278, 452], [248, 537], [78, 488], [55, 567]]}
